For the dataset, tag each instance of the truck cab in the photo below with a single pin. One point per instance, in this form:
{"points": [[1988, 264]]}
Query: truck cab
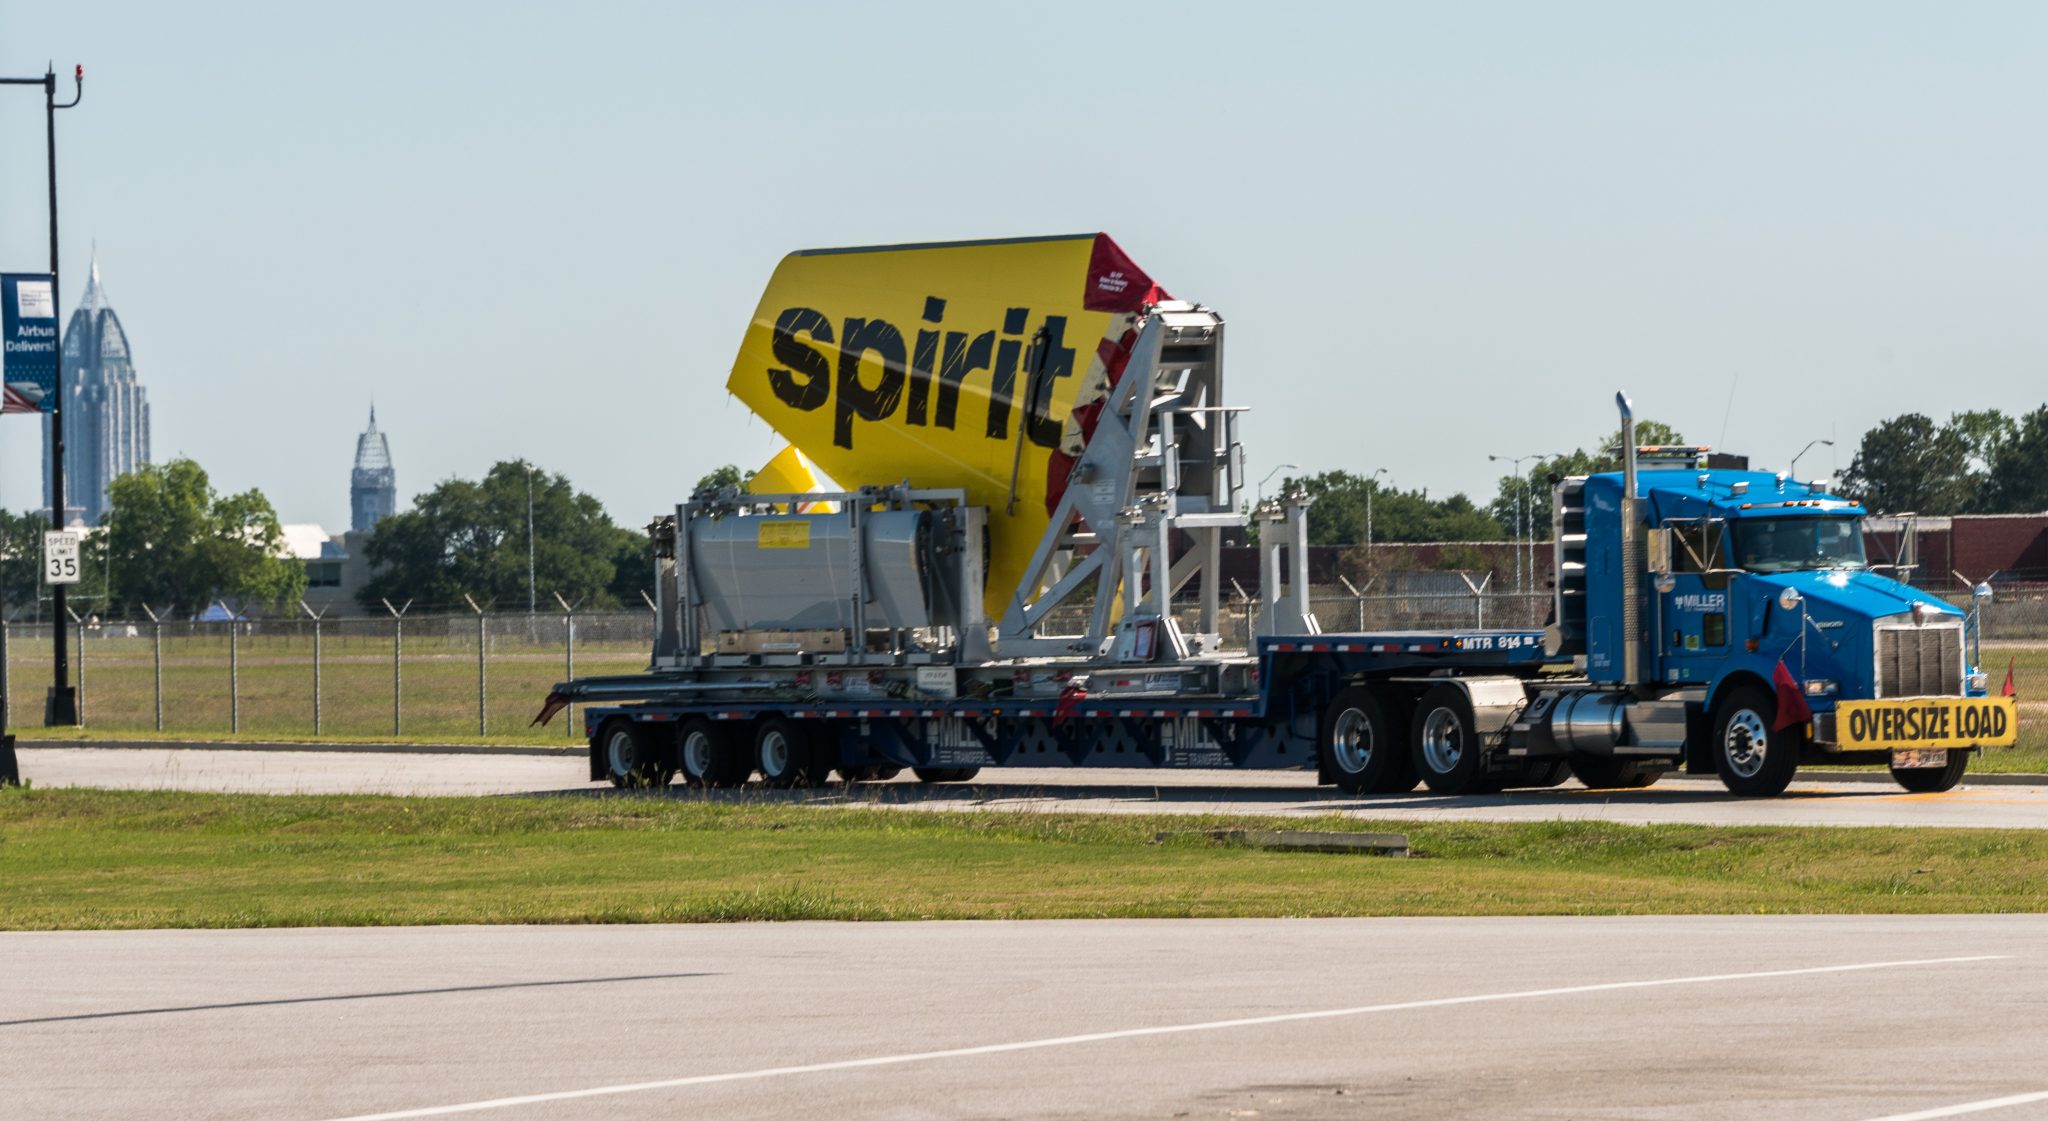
{"points": [[1748, 596]]}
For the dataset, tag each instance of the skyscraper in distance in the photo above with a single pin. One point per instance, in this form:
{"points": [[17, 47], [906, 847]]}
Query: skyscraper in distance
{"points": [[106, 411], [373, 485]]}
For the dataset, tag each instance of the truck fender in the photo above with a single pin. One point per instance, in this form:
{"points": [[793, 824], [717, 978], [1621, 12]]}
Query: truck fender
{"points": [[1735, 677], [600, 770], [1496, 702]]}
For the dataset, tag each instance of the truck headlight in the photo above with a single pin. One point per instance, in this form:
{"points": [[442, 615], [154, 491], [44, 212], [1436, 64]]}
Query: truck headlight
{"points": [[1820, 687]]}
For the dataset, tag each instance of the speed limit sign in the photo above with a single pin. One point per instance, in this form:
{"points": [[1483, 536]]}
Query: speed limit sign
{"points": [[60, 556]]}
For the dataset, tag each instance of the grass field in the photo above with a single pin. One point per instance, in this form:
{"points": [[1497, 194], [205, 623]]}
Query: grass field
{"points": [[438, 673], [113, 859]]}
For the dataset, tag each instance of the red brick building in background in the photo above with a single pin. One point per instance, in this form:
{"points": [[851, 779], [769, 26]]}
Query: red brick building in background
{"points": [[2001, 549]]}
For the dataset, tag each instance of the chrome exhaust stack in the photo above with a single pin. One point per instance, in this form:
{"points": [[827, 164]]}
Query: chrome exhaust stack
{"points": [[1631, 551]]}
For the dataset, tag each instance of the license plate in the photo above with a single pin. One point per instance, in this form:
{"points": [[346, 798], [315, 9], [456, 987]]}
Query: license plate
{"points": [[1905, 760]]}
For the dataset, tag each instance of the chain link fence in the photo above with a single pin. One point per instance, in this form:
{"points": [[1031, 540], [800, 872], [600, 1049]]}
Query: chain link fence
{"points": [[485, 675], [461, 675], [416, 676]]}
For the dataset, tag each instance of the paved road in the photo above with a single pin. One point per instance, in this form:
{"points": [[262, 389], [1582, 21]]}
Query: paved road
{"points": [[1279, 793], [1814, 1019]]}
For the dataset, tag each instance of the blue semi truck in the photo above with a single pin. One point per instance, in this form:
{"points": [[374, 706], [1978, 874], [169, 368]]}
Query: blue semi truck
{"points": [[1706, 618]]}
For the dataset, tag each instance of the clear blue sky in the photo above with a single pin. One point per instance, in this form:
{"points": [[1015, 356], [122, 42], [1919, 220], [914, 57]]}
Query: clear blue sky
{"points": [[1438, 231]]}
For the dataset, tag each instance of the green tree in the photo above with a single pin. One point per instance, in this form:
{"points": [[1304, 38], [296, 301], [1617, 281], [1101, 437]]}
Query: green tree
{"points": [[1535, 487], [725, 475], [2018, 480], [1338, 514], [1987, 433], [21, 552], [470, 538], [21, 569], [171, 542], [1911, 464]]}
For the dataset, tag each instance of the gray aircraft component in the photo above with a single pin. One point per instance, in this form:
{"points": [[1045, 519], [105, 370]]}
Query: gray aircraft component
{"points": [[795, 571]]}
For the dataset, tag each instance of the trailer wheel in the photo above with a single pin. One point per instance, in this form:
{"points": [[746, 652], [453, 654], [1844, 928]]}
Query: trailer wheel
{"points": [[787, 755], [1445, 748], [1933, 780], [945, 774], [708, 755], [635, 759], [1604, 772], [1360, 748], [1753, 760]]}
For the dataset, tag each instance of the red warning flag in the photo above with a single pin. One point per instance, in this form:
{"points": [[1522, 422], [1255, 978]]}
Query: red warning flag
{"points": [[2009, 691], [555, 703], [1070, 699], [1792, 706]]}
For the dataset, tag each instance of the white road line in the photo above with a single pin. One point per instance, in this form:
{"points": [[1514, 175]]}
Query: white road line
{"points": [[1967, 1107], [1138, 1033]]}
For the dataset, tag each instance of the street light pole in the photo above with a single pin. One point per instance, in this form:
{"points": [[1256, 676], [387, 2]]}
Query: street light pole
{"points": [[61, 707], [531, 599], [1259, 494], [1794, 472], [1525, 523], [1521, 507], [1372, 487]]}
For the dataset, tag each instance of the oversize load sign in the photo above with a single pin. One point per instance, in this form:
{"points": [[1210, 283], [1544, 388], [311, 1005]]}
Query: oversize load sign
{"points": [[28, 342], [1928, 722], [913, 362]]}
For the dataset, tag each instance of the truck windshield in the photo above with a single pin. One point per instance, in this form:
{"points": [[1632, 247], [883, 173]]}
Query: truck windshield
{"points": [[1799, 544]]}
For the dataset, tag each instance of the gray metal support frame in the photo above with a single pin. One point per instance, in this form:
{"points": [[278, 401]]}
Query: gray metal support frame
{"points": [[1163, 463]]}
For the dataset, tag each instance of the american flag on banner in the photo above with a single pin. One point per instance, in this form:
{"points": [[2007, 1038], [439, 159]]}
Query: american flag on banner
{"points": [[18, 400]]}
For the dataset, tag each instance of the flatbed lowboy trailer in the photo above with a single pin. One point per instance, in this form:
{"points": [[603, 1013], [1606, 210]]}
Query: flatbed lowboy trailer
{"points": [[1705, 617]]}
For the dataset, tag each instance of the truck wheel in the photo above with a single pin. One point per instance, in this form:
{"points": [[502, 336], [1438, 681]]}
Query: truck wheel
{"points": [[634, 757], [1546, 772], [1445, 748], [945, 774], [1752, 759], [1603, 772], [786, 755], [708, 756], [1933, 780], [1360, 748]]}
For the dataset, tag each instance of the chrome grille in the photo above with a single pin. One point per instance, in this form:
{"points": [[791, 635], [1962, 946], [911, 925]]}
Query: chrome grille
{"points": [[1920, 661]]}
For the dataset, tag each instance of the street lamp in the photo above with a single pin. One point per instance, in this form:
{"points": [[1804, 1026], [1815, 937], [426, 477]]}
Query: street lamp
{"points": [[1525, 528], [1802, 451], [532, 597], [1259, 495], [1372, 487], [62, 705]]}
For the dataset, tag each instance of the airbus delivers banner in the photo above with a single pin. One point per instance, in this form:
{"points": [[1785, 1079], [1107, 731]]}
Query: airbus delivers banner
{"points": [[953, 365], [28, 325]]}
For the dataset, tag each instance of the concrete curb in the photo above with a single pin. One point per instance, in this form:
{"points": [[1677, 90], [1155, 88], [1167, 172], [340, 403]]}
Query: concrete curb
{"points": [[563, 752]]}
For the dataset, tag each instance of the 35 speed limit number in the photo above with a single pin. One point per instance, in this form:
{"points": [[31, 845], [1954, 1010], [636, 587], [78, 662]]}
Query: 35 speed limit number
{"points": [[60, 556]]}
